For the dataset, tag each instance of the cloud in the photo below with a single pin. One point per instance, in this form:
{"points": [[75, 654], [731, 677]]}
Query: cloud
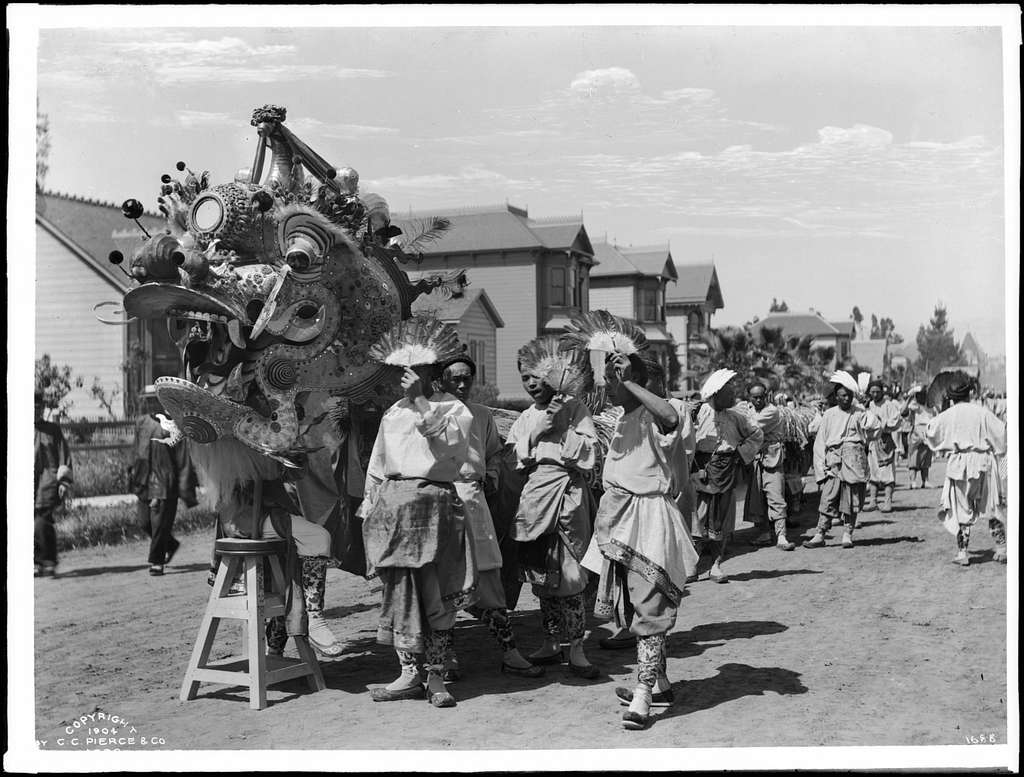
{"points": [[610, 105], [312, 129], [605, 81], [176, 59], [191, 119], [854, 181], [857, 135], [439, 181]]}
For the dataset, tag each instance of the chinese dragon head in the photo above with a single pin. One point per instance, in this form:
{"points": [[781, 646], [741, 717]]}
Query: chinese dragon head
{"points": [[274, 287]]}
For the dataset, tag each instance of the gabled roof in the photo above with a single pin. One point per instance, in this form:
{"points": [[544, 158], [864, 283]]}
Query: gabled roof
{"points": [[645, 262], [563, 236], [88, 228], [970, 344], [695, 284], [454, 308], [847, 327], [652, 260], [499, 228], [611, 261], [798, 324]]}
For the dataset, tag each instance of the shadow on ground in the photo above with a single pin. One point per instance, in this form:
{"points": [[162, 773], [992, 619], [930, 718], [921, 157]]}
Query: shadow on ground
{"points": [[733, 681], [92, 571]]}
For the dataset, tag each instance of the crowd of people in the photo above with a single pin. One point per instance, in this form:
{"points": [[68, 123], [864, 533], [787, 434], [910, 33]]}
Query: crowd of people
{"points": [[611, 506]]}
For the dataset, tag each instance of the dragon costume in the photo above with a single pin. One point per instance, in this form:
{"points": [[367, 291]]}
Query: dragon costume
{"points": [[274, 287]]}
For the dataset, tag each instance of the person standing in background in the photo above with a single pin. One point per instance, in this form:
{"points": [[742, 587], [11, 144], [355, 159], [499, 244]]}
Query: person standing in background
{"points": [[766, 498], [54, 477], [727, 441], [917, 414], [161, 475], [882, 449], [975, 483]]}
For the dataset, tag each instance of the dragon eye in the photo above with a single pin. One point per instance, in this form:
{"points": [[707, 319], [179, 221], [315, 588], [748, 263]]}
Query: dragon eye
{"points": [[207, 214], [307, 311]]}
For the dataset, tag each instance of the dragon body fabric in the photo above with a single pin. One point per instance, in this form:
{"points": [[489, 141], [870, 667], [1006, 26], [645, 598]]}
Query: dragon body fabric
{"points": [[275, 288]]}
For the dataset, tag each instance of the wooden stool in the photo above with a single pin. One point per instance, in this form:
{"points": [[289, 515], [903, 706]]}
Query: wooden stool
{"points": [[253, 667]]}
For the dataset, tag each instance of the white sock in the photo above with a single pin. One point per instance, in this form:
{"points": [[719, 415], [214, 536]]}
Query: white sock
{"points": [[641, 703]]}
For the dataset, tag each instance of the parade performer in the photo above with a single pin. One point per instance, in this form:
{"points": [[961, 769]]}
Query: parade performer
{"points": [[53, 477], [917, 414], [882, 449], [640, 546], [766, 498], [160, 475], [478, 481], [414, 527], [974, 487], [555, 444], [841, 460], [726, 441]]}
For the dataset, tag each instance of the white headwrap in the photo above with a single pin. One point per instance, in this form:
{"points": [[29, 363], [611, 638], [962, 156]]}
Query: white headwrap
{"points": [[845, 379], [714, 383]]}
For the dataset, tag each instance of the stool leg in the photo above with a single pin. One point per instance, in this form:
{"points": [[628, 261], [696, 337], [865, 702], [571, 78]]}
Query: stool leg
{"points": [[254, 628], [208, 628], [316, 677]]}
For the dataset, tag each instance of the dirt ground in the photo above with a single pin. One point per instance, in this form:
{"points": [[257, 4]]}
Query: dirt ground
{"points": [[885, 644]]}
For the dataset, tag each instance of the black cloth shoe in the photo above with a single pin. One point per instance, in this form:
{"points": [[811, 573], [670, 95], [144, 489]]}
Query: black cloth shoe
{"points": [[530, 671], [174, 545], [659, 699], [634, 721], [617, 643], [555, 658], [588, 672], [383, 694]]}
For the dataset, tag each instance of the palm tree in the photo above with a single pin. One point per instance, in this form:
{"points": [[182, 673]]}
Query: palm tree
{"points": [[792, 364]]}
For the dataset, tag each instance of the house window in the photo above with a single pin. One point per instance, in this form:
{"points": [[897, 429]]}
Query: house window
{"points": [[648, 304], [559, 291], [694, 320], [478, 352], [581, 288]]}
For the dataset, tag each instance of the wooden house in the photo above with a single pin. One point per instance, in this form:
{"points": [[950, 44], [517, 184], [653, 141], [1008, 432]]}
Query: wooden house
{"points": [[74, 238], [631, 283], [536, 272]]}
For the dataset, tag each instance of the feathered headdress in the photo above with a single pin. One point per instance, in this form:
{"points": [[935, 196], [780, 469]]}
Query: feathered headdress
{"points": [[599, 330], [600, 333], [563, 369], [845, 379], [863, 381], [417, 341]]}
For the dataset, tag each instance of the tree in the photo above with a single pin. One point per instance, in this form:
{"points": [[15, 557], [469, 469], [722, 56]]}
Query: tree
{"points": [[935, 344], [106, 398], [56, 382], [765, 355], [42, 148]]}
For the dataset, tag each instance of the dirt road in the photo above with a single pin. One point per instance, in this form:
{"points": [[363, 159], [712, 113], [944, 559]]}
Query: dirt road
{"points": [[885, 644]]}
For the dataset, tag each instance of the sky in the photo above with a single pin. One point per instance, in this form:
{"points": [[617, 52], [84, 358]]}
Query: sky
{"points": [[828, 167]]}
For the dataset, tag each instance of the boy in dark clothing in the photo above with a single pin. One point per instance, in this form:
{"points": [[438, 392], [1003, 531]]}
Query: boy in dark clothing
{"points": [[53, 479]]}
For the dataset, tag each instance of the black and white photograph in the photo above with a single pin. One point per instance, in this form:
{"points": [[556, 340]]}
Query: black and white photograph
{"points": [[497, 388]]}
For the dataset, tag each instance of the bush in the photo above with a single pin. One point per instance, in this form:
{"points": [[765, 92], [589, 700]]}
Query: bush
{"points": [[88, 526], [102, 472]]}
